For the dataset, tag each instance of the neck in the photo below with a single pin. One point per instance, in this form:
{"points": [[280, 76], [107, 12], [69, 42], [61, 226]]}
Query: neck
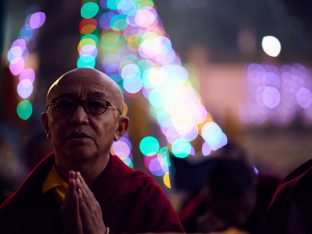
{"points": [[89, 169]]}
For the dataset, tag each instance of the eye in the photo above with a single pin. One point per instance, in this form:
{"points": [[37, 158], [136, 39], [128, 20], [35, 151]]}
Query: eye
{"points": [[96, 106], [65, 104]]}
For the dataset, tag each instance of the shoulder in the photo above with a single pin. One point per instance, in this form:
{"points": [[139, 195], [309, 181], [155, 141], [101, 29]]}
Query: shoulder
{"points": [[295, 189], [31, 183], [138, 181]]}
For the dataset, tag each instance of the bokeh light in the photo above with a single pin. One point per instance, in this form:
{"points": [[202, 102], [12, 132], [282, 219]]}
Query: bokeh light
{"points": [[277, 94], [122, 148], [166, 180], [28, 74], [25, 88], [37, 20], [271, 97], [181, 148], [271, 46], [149, 146], [89, 10], [87, 46], [213, 135], [304, 97], [24, 109], [17, 57], [206, 150], [136, 52]]}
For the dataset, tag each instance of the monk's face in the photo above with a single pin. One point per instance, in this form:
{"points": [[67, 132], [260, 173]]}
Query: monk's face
{"points": [[83, 116]]}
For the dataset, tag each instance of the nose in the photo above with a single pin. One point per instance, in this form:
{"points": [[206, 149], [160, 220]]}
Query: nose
{"points": [[79, 116]]}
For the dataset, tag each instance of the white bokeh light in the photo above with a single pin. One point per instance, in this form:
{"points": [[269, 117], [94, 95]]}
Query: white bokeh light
{"points": [[271, 46]]}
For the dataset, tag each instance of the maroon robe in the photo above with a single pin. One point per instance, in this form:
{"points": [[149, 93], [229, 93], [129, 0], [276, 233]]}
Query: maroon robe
{"points": [[291, 205], [131, 202]]}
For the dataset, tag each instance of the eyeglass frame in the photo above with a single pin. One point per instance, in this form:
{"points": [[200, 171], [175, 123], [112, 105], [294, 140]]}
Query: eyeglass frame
{"points": [[82, 102]]}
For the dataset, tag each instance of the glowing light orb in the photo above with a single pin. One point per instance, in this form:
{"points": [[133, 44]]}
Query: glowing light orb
{"points": [[19, 42], [111, 4], [28, 74], [271, 97], [17, 66], [149, 146], [118, 22], [129, 71], [87, 26], [206, 149], [37, 20], [304, 97], [155, 167], [213, 135], [127, 7], [145, 17], [181, 148], [105, 20], [91, 37], [24, 88], [89, 10], [271, 46], [133, 85], [14, 52], [166, 180], [121, 148], [86, 61], [88, 49], [24, 109]]}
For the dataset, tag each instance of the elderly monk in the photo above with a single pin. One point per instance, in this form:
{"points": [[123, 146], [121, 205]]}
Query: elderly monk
{"points": [[81, 188]]}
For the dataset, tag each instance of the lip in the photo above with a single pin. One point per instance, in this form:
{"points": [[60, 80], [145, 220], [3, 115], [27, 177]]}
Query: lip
{"points": [[78, 135]]}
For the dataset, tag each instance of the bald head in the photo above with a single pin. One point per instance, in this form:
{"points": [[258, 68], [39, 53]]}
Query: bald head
{"points": [[92, 77]]}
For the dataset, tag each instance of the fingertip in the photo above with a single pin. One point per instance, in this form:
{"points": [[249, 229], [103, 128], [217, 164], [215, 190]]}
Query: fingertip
{"points": [[71, 174]]}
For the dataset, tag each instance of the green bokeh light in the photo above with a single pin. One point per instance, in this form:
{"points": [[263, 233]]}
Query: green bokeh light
{"points": [[89, 10], [86, 61], [24, 109], [118, 22], [149, 146], [91, 36], [112, 4], [181, 148], [111, 41]]}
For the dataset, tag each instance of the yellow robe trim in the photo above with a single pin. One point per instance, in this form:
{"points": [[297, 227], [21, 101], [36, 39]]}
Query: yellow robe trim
{"points": [[54, 181]]}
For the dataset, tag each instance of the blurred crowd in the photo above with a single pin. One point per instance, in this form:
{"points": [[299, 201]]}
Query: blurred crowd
{"points": [[232, 196]]}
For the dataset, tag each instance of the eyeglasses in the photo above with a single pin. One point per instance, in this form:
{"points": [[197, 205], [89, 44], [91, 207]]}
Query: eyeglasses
{"points": [[94, 106]]}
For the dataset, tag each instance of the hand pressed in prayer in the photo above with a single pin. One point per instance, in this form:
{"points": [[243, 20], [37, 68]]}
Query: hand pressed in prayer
{"points": [[82, 213]]}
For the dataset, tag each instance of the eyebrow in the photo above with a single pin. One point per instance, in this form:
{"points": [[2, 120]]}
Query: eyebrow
{"points": [[99, 95], [92, 94]]}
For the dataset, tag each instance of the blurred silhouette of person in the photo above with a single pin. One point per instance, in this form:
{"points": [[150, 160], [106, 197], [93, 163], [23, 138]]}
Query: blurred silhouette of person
{"points": [[82, 188], [291, 205], [266, 186], [227, 201]]}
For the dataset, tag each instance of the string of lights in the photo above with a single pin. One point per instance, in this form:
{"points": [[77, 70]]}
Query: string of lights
{"points": [[17, 56], [136, 52]]}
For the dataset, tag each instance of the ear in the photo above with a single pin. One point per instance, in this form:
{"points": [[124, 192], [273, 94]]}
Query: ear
{"points": [[45, 124], [123, 123]]}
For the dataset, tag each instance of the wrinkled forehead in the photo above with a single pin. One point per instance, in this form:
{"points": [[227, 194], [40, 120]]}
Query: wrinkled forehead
{"points": [[85, 83]]}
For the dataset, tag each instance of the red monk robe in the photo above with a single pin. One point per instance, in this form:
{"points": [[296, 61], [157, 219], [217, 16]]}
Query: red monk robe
{"points": [[291, 206], [131, 202]]}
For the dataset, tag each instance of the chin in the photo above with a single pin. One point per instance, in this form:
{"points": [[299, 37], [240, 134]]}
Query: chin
{"points": [[79, 153]]}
